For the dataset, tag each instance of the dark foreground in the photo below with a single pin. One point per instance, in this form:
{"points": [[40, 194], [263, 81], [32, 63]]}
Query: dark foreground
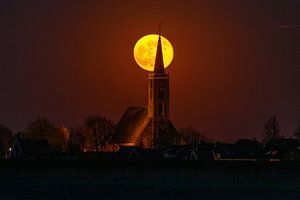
{"points": [[96, 179]]}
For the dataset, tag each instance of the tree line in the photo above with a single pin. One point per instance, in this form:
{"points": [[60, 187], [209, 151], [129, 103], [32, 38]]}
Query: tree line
{"points": [[95, 132], [92, 135]]}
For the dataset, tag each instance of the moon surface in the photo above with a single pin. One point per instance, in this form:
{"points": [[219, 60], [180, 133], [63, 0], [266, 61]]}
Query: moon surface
{"points": [[145, 51]]}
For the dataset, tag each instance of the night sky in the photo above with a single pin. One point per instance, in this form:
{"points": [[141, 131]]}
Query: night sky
{"points": [[236, 63]]}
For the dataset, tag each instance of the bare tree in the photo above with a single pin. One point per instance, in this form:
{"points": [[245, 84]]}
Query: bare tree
{"points": [[192, 136], [272, 130], [42, 128], [65, 133], [78, 140], [100, 131]]}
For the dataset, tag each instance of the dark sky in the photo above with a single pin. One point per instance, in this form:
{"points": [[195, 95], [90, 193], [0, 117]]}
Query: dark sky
{"points": [[236, 62]]}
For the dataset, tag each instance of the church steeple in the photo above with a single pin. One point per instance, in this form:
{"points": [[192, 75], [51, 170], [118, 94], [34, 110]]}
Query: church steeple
{"points": [[158, 103], [159, 61]]}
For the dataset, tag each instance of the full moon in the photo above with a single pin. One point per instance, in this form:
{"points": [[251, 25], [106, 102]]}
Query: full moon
{"points": [[145, 51]]}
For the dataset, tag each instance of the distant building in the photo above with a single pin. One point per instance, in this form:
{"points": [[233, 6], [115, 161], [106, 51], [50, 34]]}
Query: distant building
{"points": [[243, 149], [137, 153], [282, 150], [203, 152], [180, 152], [30, 148], [149, 126]]}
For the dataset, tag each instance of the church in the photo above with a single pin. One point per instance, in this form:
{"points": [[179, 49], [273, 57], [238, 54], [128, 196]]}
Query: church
{"points": [[149, 126]]}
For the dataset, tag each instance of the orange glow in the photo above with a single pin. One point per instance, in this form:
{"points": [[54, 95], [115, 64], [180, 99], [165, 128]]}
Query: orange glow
{"points": [[145, 50]]}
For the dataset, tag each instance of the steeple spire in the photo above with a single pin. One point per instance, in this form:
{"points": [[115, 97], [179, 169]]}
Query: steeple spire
{"points": [[159, 61]]}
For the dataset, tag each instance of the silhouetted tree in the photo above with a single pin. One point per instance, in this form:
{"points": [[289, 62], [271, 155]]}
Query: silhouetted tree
{"points": [[65, 132], [78, 140], [272, 130], [297, 132], [42, 128], [192, 136], [99, 129], [6, 136], [19, 135]]}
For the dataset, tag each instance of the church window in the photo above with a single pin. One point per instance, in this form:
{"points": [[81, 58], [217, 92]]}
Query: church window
{"points": [[161, 93], [161, 109]]}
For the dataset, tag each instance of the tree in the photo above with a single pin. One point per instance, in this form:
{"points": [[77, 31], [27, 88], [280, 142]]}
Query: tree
{"points": [[42, 128], [65, 133], [6, 136], [297, 132], [272, 130], [192, 136], [78, 140], [99, 129]]}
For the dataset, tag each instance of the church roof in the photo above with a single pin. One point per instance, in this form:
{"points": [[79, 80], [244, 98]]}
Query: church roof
{"points": [[131, 125]]}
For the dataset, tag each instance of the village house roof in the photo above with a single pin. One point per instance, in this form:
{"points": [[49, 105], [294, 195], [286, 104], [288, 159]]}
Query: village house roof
{"points": [[282, 149], [30, 148], [139, 153]]}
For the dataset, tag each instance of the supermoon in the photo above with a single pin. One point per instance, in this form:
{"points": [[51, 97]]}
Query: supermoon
{"points": [[145, 51]]}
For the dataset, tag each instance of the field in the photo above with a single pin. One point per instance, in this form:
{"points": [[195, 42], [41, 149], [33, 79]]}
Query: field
{"points": [[107, 179]]}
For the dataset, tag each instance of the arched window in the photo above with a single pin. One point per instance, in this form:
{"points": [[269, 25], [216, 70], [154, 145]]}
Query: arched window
{"points": [[161, 93], [161, 109]]}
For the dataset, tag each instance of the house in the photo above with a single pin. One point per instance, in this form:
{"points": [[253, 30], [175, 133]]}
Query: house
{"points": [[176, 152], [243, 150], [222, 150], [29, 148], [247, 149], [282, 150], [137, 153], [204, 151], [180, 152]]}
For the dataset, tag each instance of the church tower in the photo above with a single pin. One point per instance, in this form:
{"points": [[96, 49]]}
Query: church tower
{"points": [[149, 126], [158, 100]]}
